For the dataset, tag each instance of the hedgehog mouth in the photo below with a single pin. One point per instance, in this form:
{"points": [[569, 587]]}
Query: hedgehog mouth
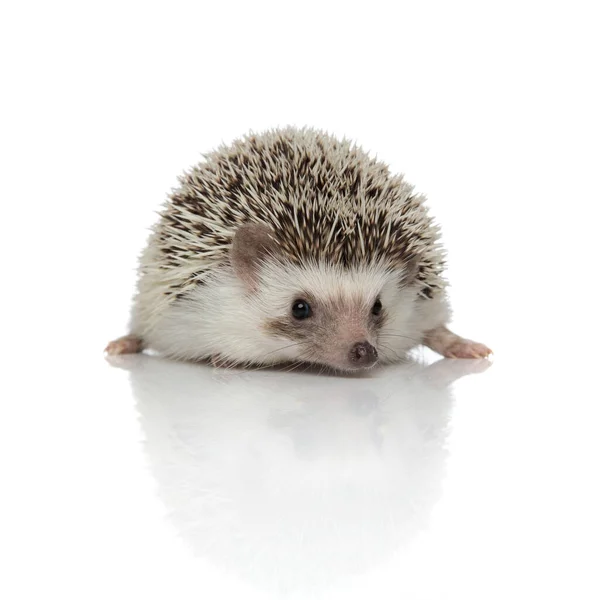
{"points": [[366, 360]]}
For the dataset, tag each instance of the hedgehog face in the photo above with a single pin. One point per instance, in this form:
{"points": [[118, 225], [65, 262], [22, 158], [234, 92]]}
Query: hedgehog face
{"points": [[342, 318], [338, 331]]}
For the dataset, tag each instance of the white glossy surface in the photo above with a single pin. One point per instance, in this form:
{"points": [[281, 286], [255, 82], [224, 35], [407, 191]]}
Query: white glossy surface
{"points": [[152, 480]]}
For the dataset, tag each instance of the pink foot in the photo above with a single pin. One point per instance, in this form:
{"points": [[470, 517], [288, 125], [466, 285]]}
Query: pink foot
{"points": [[466, 349], [450, 345], [128, 344]]}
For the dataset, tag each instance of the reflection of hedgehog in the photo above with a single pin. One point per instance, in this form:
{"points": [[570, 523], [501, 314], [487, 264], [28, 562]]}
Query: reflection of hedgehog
{"points": [[293, 484], [293, 246]]}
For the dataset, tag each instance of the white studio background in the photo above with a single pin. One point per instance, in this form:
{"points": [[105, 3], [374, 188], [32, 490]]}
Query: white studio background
{"points": [[490, 108]]}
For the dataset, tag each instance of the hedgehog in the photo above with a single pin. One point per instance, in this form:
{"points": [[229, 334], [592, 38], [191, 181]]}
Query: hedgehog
{"points": [[293, 246]]}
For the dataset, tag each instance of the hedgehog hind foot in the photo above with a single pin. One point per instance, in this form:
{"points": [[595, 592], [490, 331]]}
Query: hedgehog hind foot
{"points": [[448, 344], [128, 344]]}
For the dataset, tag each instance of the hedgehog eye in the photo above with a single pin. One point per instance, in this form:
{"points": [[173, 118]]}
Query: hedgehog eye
{"points": [[377, 307], [301, 309]]}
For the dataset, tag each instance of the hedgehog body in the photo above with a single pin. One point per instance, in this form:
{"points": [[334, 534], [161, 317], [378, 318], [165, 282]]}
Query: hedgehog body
{"points": [[287, 246]]}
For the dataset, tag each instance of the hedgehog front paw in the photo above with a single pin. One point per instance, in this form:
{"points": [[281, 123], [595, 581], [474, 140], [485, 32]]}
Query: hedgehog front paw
{"points": [[448, 344], [466, 349], [128, 344]]}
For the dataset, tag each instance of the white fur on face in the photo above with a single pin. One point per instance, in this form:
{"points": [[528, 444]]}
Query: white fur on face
{"points": [[222, 318]]}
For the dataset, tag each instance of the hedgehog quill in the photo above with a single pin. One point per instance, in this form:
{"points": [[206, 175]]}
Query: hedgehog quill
{"points": [[293, 246]]}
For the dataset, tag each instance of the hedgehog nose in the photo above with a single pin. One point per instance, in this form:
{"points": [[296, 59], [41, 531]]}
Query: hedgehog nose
{"points": [[363, 354]]}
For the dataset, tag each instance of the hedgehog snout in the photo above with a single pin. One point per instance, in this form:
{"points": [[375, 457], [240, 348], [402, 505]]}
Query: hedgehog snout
{"points": [[363, 355]]}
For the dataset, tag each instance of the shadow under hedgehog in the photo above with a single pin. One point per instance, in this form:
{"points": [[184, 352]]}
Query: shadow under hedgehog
{"points": [[293, 246]]}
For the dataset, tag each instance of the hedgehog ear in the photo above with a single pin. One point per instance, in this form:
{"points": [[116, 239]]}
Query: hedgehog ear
{"points": [[252, 243], [411, 270]]}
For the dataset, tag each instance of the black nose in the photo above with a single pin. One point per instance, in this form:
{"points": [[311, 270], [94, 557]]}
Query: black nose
{"points": [[363, 354]]}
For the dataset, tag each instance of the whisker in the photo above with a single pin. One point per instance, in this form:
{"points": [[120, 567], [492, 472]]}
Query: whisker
{"points": [[285, 347], [294, 366], [390, 349], [385, 334], [253, 367]]}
